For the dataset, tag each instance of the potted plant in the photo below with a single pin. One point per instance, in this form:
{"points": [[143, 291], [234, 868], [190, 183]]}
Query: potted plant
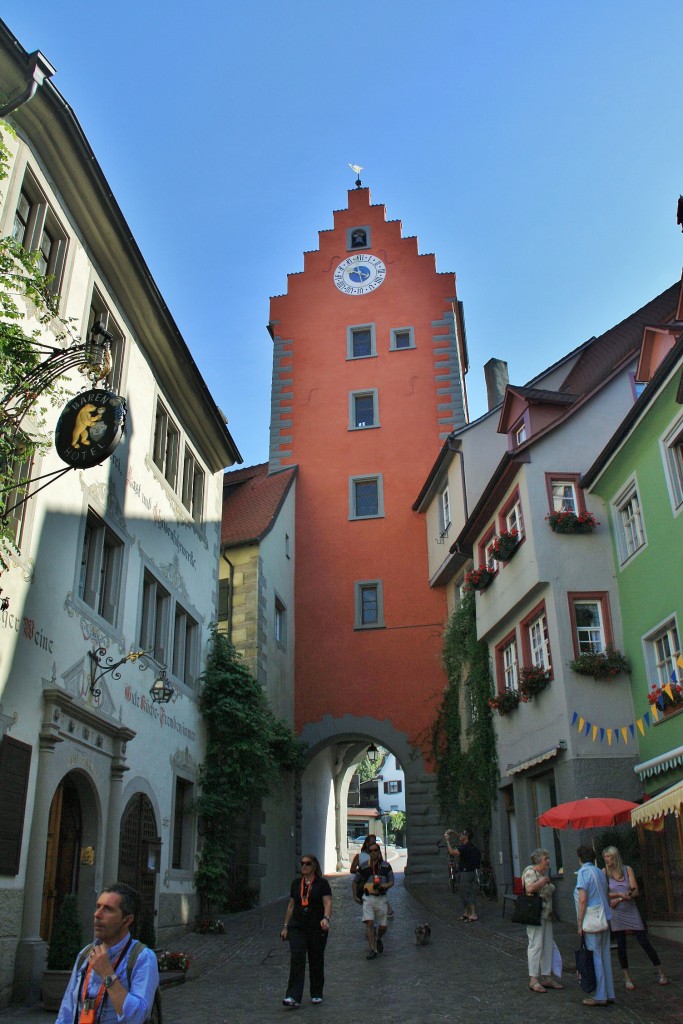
{"points": [[168, 961], [532, 680], [600, 664], [479, 579], [504, 702], [66, 942], [504, 545], [667, 698], [570, 522]]}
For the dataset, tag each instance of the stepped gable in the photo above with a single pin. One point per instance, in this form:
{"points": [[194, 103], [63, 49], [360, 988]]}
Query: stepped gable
{"points": [[623, 341], [251, 501]]}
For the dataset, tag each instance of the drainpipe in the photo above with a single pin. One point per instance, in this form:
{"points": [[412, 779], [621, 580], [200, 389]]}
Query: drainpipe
{"points": [[231, 574], [40, 69]]}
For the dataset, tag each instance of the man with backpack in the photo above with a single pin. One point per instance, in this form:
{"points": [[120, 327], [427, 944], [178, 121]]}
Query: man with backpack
{"points": [[370, 885], [115, 978]]}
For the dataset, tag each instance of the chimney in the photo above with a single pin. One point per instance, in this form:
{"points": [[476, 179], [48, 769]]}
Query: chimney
{"points": [[496, 375]]}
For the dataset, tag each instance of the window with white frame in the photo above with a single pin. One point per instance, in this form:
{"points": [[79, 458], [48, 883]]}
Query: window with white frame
{"points": [[510, 666], [672, 455], [155, 620], [360, 341], [444, 510], [193, 485], [99, 580], [280, 623], [185, 647], [628, 521], [99, 313], [564, 496], [401, 337], [166, 445], [366, 500], [539, 650], [662, 651], [369, 612], [489, 554], [590, 628], [363, 409], [13, 506], [37, 230], [514, 520], [519, 432]]}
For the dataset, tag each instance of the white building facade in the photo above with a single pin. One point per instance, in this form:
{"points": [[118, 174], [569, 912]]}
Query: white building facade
{"points": [[111, 560]]}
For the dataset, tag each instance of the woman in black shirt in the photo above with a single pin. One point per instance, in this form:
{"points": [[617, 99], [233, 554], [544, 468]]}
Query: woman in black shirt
{"points": [[307, 923]]}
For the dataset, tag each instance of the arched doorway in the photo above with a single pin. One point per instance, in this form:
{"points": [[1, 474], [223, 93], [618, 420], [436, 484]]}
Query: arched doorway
{"points": [[62, 859], [139, 856]]}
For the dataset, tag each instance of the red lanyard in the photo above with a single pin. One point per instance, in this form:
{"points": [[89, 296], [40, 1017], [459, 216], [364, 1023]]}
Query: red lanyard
{"points": [[305, 889], [92, 1014]]}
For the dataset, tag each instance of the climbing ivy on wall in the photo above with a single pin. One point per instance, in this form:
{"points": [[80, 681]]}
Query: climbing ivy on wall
{"points": [[247, 748], [466, 773]]}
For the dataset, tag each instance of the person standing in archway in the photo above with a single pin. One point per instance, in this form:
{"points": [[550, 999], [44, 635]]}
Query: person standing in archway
{"points": [[370, 886]]}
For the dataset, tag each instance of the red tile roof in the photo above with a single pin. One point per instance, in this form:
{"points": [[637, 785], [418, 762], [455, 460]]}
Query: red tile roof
{"points": [[251, 501]]}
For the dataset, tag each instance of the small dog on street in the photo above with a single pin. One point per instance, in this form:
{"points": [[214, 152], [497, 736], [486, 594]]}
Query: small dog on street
{"points": [[422, 934]]}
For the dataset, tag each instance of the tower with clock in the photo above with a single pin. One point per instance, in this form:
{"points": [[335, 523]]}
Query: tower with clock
{"points": [[368, 382]]}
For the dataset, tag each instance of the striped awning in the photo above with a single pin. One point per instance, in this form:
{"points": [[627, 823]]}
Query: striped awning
{"points": [[668, 802], [531, 762]]}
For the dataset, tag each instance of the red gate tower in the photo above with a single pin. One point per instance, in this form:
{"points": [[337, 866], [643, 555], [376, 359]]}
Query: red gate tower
{"points": [[368, 381]]}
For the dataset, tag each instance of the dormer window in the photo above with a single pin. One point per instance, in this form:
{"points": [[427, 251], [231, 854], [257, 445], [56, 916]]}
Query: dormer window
{"points": [[520, 433]]}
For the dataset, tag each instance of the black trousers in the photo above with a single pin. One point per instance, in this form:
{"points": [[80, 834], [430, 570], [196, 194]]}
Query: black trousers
{"points": [[642, 939], [309, 940]]}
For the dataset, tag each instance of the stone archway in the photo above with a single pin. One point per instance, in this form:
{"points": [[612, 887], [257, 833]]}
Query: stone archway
{"points": [[333, 744]]}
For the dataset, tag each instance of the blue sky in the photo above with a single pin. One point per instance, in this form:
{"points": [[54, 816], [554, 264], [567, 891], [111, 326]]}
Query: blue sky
{"points": [[535, 147]]}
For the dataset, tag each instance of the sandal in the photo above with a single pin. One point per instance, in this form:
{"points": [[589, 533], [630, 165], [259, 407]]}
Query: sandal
{"points": [[552, 984], [663, 980], [464, 918], [629, 986], [537, 987], [594, 1002]]}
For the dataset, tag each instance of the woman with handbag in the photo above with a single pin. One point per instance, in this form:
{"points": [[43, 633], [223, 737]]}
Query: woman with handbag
{"points": [[593, 914], [540, 949], [626, 918]]}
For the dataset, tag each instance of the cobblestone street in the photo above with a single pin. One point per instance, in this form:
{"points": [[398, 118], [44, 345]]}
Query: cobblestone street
{"points": [[468, 972]]}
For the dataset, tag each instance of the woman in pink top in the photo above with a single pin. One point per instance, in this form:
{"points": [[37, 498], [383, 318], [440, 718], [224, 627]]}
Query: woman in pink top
{"points": [[626, 918]]}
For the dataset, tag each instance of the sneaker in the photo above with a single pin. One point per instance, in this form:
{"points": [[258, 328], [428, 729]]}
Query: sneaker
{"points": [[290, 1003], [380, 945], [372, 955], [317, 999]]}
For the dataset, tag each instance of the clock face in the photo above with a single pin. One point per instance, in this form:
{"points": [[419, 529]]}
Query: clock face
{"points": [[359, 274]]}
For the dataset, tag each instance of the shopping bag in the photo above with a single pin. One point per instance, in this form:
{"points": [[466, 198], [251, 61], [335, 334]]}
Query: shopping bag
{"points": [[585, 968]]}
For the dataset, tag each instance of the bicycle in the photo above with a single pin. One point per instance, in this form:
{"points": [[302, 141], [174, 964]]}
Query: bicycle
{"points": [[484, 879]]}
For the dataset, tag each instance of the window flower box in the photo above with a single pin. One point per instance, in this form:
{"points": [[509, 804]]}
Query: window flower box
{"points": [[569, 522], [504, 702], [531, 681], [504, 545], [479, 579], [600, 665], [668, 698]]}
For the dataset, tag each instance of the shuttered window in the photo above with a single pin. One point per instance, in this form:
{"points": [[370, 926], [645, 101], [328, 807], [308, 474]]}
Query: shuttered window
{"points": [[15, 764]]}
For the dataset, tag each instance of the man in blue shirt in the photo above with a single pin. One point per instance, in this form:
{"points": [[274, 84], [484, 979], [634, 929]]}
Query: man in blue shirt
{"points": [[98, 989]]}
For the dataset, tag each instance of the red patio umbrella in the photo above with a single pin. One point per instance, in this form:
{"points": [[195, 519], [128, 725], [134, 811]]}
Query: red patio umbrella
{"points": [[591, 812]]}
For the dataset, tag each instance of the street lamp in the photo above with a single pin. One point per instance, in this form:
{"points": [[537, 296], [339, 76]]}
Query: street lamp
{"points": [[372, 753], [161, 691]]}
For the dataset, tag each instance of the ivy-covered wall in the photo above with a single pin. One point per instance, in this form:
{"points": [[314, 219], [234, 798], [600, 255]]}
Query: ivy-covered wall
{"points": [[463, 740]]}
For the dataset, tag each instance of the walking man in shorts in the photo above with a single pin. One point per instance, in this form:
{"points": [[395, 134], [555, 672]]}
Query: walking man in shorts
{"points": [[370, 886]]}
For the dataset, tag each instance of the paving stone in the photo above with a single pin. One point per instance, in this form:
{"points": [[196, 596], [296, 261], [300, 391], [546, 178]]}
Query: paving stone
{"points": [[468, 972]]}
